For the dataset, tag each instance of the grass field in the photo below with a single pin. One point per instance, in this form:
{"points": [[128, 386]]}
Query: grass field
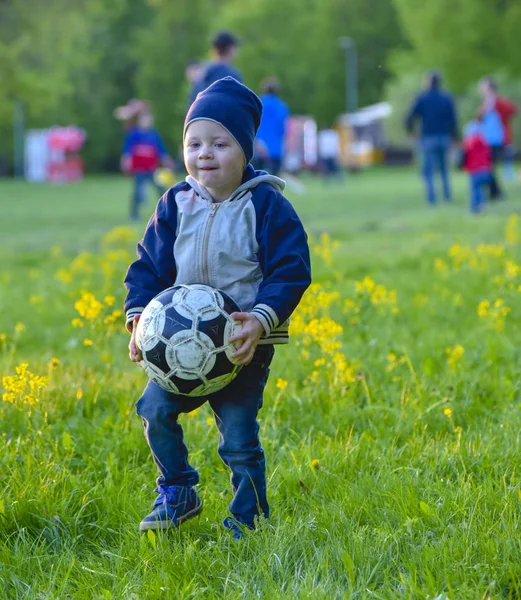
{"points": [[391, 424]]}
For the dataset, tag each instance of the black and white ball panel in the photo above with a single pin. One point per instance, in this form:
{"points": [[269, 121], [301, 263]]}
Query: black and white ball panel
{"points": [[174, 322], [158, 356], [186, 387], [220, 366], [184, 337], [198, 302], [189, 353]]}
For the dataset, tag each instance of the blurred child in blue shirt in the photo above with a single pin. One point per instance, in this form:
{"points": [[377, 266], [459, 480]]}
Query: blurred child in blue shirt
{"points": [[269, 146], [143, 152]]}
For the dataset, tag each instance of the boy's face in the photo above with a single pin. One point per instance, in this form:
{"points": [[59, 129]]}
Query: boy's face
{"points": [[213, 158]]}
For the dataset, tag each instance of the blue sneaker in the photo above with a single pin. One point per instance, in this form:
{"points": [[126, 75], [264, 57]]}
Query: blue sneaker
{"points": [[236, 527], [174, 505]]}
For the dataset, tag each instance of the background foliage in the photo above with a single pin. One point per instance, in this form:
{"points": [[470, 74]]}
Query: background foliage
{"points": [[74, 61]]}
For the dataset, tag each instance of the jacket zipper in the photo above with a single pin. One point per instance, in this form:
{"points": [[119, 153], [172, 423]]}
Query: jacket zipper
{"points": [[209, 223]]}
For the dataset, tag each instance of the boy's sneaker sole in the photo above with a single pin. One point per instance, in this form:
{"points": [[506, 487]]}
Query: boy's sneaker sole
{"points": [[170, 523]]}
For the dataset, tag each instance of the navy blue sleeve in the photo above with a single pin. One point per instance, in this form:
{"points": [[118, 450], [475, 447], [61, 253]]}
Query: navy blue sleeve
{"points": [[413, 114], [284, 259], [155, 269]]}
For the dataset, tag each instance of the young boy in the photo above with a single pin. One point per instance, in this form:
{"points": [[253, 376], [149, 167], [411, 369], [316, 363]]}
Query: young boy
{"points": [[229, 227], [477, 161]]}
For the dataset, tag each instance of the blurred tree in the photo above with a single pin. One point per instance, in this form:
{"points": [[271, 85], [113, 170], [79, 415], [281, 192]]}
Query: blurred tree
{"points": [[400, 92], [107, 79], [74, 61], [298, 41], [40, 46], [178, 32], [467, 39]]}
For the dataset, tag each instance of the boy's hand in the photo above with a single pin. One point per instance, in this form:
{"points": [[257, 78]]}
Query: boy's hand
{"points": [[249, 335], [126, 163], [134, 352]]}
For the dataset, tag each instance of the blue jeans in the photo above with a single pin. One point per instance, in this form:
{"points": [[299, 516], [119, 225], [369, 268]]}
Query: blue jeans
{"points": [[139, 194], [235, 409], [435, 149], [509, 155], [477, 182]]}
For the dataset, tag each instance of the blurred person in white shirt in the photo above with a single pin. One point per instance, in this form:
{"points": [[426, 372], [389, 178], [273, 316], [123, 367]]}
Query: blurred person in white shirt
{"points": [[329, 152]]}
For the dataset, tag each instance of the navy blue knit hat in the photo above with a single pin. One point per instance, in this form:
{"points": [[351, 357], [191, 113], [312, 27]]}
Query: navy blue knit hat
{"points": [[232, 105]]}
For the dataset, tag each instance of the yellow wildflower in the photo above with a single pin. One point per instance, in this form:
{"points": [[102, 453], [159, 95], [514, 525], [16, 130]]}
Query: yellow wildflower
{"points": [[79, 394], [315, 464], [447, 412], [23, 386], [512, 269], [440, 265], [63, 275], [19, 327], [88, 306], [483, 307], [495, 313], [350, 306], [494, 250], [87, 342], [377, 294], [112, 318], [454, 356], [109, 300], [121, 235], [281, 384], [77, 322], [82, 263], [324, 249], [394, 361], [367, 285], [462, 256], [343, 373]]}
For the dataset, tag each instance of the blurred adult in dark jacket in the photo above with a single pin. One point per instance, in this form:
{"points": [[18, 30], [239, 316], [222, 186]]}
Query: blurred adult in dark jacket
{"points": [[434, 109]]}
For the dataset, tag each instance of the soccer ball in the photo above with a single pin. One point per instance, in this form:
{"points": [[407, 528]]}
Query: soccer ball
{"points": [[183, 335]]}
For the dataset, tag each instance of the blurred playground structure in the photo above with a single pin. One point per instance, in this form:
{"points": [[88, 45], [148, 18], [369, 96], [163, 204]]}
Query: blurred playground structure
{"points": [[362, 140], [362, 136], [53, 154]]}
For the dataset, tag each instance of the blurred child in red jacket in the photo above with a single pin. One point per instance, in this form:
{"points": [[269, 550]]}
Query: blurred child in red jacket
{"points": [[477, 161]]}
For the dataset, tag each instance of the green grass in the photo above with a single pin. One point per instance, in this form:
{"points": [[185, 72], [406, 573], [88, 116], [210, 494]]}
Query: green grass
{"points": [[386, 479]]}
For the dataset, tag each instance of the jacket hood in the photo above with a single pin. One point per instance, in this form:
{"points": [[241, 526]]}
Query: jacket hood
{"points": [[251, 179]]}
